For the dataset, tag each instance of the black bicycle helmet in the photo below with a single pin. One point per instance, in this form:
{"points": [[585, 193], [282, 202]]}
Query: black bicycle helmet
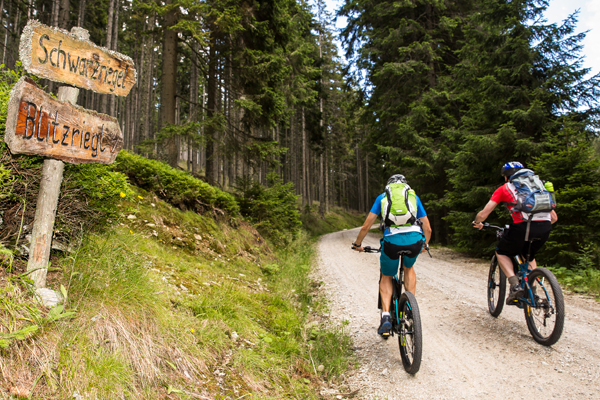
{"points": [[510, 168], [396, 178]]}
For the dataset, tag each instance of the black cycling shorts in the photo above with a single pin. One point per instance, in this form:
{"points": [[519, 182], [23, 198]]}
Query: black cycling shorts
{"points": [[513, 242]]}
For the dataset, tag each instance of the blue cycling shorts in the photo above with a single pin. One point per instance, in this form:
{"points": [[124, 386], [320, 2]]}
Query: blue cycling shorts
{"points": [[390, 245]]}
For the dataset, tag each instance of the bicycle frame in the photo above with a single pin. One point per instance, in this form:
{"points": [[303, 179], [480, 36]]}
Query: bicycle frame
{"points": [[523, 270], [397, 284]]}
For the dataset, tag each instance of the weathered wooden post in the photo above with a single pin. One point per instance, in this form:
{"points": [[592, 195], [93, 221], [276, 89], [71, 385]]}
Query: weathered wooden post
{"points": [[39, 124], [45, 211]]}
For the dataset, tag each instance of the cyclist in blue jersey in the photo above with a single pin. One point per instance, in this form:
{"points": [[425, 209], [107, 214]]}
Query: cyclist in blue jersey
{"points": [[395, 239]]}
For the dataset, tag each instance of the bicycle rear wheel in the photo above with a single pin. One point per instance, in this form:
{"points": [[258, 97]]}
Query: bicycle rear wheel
{"points": [[496, 288], [409, 333], [546, 319]]}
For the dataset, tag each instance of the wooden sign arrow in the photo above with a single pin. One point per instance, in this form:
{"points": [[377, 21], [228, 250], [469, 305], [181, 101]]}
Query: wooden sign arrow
{"points": [[37, 123], [60, 56]]}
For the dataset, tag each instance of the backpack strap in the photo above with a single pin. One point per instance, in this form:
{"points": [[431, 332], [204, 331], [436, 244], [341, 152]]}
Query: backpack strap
{"points": [[412, 217], [385, 218]]}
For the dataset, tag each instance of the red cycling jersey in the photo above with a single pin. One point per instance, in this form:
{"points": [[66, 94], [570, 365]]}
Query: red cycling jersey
{"points": [[506, 195]]}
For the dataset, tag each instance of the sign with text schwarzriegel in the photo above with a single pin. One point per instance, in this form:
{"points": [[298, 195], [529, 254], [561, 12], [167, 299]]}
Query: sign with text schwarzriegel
{"points": [[37, 123], [60, 56]]}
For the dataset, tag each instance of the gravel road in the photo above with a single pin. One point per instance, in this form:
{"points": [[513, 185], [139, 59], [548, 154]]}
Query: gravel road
{"points": [[467, 353]]}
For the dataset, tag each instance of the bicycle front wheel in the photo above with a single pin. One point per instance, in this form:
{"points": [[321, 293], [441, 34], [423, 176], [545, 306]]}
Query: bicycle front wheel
{"points": [[409, 333], [546, 319], [496, 288]]}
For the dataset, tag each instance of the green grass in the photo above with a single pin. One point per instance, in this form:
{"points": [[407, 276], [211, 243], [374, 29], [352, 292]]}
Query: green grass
{"points": [[579, 281], [173, 305]]}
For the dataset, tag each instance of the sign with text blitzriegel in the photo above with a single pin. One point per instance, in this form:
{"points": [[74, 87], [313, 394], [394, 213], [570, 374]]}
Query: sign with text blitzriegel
{"points": [[60, 56], [39, 124]]}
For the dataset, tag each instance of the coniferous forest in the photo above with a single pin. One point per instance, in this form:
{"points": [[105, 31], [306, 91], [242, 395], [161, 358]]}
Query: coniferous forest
{"points": [[444, 92]]}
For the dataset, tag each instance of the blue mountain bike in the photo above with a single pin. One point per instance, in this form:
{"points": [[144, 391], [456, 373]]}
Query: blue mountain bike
{"points": [[406, 320], [543, 302]]}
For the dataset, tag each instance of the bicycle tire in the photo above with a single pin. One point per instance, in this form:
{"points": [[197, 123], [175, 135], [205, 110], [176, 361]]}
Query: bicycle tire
{"points": [[496, 290], [409, 333], [549, 306]]}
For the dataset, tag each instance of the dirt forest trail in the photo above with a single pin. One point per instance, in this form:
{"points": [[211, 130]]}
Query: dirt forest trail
{"points": [[467, 353]]}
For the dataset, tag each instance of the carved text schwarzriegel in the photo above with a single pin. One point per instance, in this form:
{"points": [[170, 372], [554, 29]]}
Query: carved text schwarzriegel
{"points": [[85, 67], [60, 56]]}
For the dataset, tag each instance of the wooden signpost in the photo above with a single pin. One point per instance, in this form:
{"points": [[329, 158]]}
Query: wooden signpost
{"points": [[61, 56], [39, 124]]}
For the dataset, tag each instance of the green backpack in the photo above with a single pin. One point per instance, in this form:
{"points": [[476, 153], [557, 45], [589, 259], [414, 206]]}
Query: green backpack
{"points": [[398, 206]]}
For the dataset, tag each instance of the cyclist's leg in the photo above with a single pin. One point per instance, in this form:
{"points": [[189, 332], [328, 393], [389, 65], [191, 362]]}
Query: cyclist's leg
{"points": [[506, 265], [410, 279], [385, 289], [411, 241], [388, 267], [510, 245]]}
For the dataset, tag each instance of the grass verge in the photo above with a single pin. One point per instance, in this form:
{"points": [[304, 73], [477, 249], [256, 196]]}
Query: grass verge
{"points": [[169, 304]]}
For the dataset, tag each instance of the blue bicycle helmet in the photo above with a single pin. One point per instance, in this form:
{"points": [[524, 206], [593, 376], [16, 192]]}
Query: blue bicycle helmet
{"points": [[396, 178], [510, 168]]}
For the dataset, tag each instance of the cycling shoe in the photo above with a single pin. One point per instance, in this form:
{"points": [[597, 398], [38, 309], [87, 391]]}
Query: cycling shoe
{"points": [[385, 328], [516, 291]]}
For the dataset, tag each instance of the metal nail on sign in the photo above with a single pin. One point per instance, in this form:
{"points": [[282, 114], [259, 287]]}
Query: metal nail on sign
{"points": [[60, 56], [37, 123]]}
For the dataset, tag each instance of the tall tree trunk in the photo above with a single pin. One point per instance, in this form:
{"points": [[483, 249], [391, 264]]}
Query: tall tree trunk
{"points": [[148, 92], [81, 16], [13, 42], [63, 17], [193, 108], [211, 104], [113, 46], [55, 12], [359, 198], [312, 166], [304, 166], [326, 179], [109, 34], [321, 187], [367, 199], [169, 83], [4, 31]]}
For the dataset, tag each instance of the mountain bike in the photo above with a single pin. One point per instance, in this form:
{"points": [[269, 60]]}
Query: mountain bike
{"points": [[406, 320], [543, 302]]}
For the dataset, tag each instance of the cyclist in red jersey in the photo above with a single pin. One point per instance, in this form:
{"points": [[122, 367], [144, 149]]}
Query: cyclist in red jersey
{"points": [[513, 242]]}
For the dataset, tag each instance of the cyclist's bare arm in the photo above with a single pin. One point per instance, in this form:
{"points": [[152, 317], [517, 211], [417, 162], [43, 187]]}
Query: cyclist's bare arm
{"points": [[553, 216], [483, 214], [364, 230]]}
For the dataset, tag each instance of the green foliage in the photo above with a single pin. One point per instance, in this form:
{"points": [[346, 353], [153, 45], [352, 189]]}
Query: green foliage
{"points": [[272, 209], [174, 186], [328, 344], [8, 78], [102, 186], [22, 314], [586, 280], [574, 171], [6, 182], [332, 348]]}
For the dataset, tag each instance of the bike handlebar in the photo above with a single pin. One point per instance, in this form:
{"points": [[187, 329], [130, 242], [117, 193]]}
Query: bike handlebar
{"points": [[500, 230], [369, 249]]}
